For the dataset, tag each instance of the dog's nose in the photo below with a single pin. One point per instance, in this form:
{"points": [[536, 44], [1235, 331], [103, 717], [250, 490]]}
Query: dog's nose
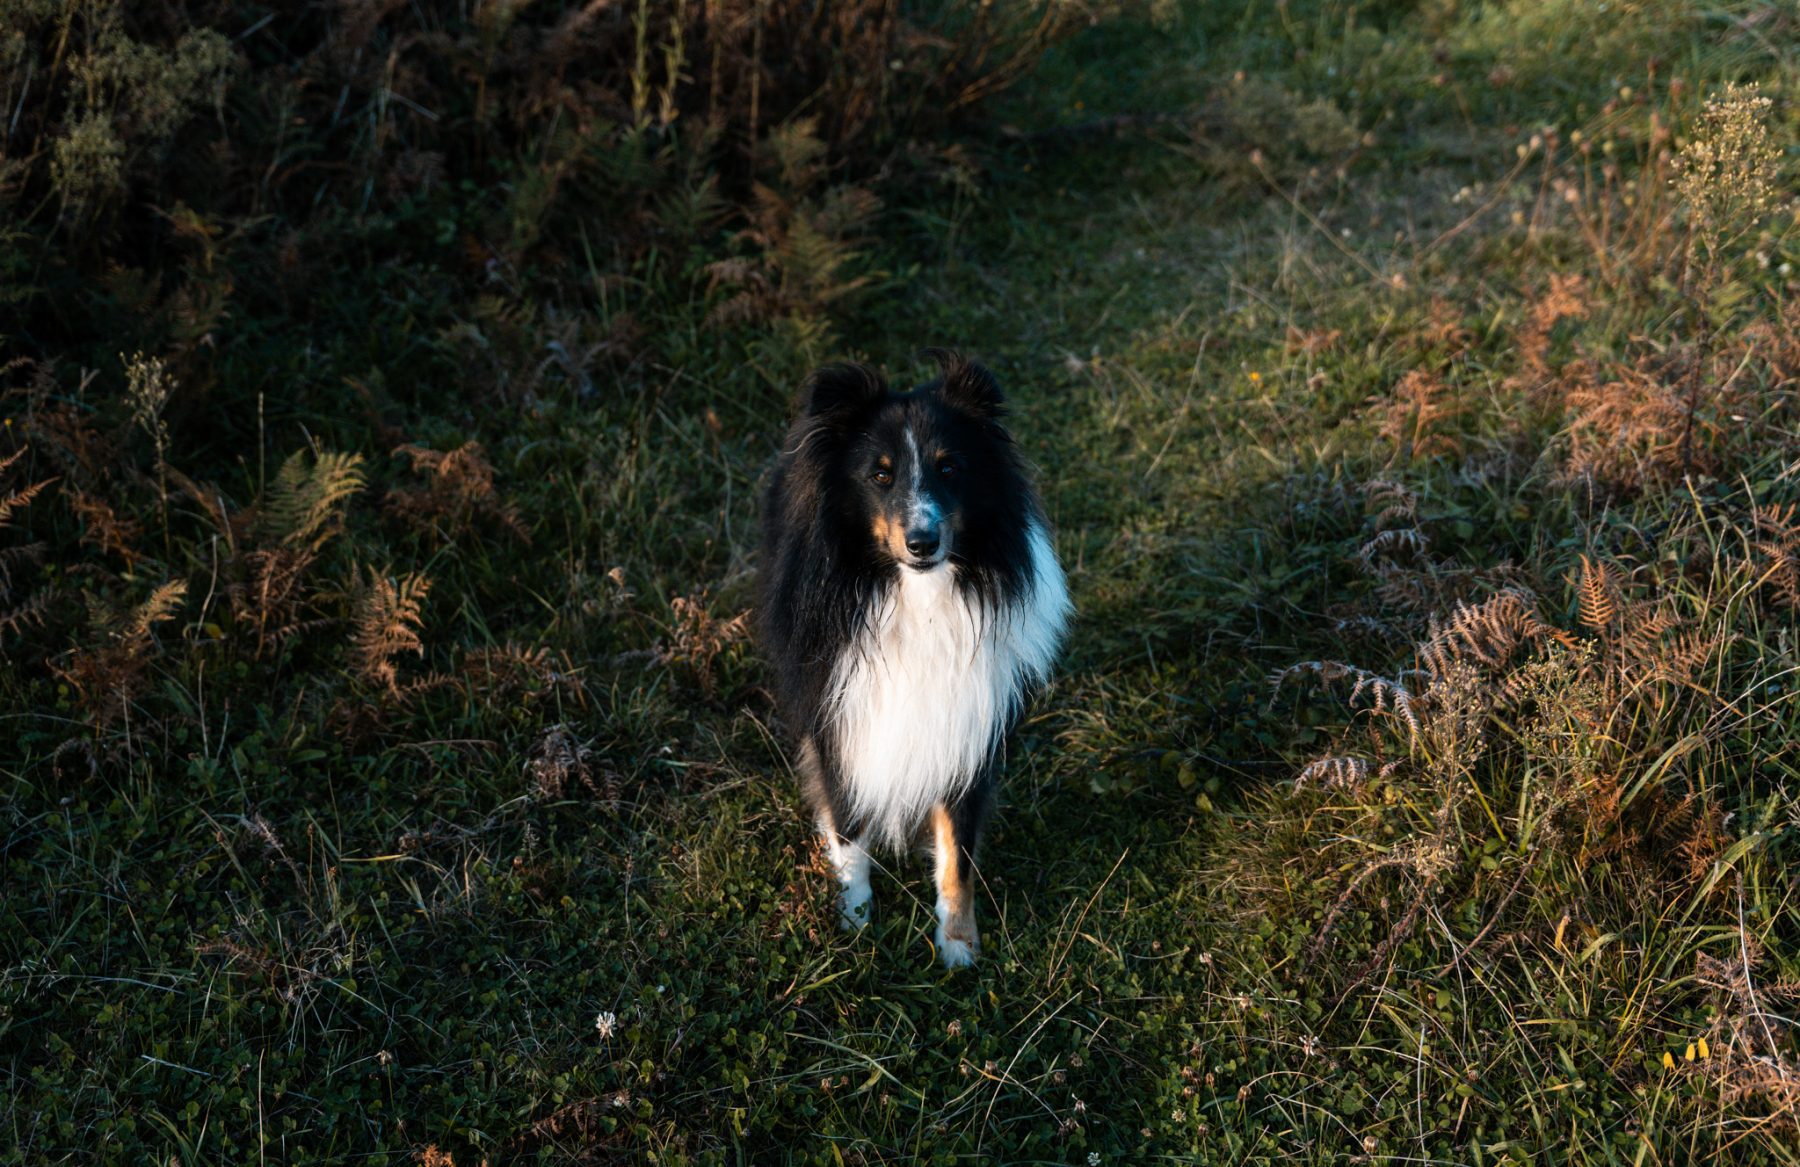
{"points": [[922, 543]]}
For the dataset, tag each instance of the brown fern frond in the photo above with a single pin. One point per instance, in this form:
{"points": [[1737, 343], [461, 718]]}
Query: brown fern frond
{"points": [[1488, 634], [1632, 428], [1778, 551], [513, 668], [107, 676], [1394, 502], [18, 499], [103, 527], [1597, 593], [14, 558], [232, 526], [1334, 772], [1393, 543], [25, 614], [72, 442], [1416, 415], [389, 618], [1385, 695], [459, 489], [1565, 298], [698, 637], [161, 606], [268, 594]]}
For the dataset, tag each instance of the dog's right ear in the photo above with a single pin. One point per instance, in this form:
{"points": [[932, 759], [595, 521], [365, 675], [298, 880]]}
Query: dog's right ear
{"points": [[841, 390]]}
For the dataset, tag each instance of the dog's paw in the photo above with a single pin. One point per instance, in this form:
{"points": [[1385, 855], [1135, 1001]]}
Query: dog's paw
{"points": [[957, 951], [854, 910]]}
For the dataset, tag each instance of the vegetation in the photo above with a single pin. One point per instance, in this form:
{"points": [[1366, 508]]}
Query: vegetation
{"points": [[386, 391]]}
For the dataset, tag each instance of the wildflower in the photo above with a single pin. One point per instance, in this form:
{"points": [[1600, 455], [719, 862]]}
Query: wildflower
{"points": [[1726, 175], [1093, 1159], [606, 1023]]}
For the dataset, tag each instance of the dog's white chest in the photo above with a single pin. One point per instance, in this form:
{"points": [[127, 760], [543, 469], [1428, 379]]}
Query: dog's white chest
{"points": [[924, 694]]}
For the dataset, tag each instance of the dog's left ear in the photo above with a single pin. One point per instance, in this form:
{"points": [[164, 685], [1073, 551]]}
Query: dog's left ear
{"points": [[969, 386], [841, 390]]}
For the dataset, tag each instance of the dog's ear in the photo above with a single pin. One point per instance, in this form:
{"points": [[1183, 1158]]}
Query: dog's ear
{"points": [[969, 386], [841, 390]]}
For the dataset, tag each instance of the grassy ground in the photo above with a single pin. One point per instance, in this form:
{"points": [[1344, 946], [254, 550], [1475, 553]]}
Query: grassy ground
{"points": [[345, 900]]}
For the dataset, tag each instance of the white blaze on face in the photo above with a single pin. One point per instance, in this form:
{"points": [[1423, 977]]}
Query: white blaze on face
{"points": [[922, 513]]}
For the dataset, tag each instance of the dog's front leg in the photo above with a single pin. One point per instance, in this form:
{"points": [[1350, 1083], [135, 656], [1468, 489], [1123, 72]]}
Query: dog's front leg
{"points": [[953, 844], [850, 863]]}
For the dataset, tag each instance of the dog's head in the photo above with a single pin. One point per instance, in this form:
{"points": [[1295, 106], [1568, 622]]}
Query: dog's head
{"points": [[927, 472]]}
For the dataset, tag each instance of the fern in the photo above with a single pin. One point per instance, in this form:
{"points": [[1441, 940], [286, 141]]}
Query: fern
{"points": [[108, 675], [1488, 634], [1415, 417], [306, 502], [1385, 695], [1778, 552], [1597, 594], [161, 606], [103, 527], [459, 489], [19, 611], [389, 618], [13, 500]]}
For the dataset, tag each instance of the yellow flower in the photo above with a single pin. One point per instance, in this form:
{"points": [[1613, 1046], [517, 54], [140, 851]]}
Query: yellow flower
{"points": [[1668, 1060]]}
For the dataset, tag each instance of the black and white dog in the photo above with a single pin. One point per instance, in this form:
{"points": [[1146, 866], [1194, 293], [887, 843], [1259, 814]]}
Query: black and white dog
{"points": [[910, 600]]}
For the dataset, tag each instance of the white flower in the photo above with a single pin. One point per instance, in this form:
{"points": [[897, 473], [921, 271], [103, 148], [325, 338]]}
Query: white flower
{"points": [[1093, 1159], [606, 1022]]}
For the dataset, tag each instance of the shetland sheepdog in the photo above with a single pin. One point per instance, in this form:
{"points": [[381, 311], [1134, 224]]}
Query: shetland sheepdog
{"points": [[910, 602]]}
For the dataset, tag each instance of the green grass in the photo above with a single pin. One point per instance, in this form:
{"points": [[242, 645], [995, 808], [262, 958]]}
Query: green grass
{"points": [[278, 912]]}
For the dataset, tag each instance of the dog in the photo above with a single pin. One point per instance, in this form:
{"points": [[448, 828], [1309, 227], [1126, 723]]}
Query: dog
{"points": [[910, 602]]}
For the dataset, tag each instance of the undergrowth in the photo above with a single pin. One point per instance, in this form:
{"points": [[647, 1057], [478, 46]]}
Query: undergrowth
{"points": [[386, 389]]}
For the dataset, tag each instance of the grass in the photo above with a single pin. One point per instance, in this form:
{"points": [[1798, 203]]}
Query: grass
{"points": [[518, 870]]}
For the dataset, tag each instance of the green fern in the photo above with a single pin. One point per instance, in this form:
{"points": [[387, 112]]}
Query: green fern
{"points": [[306, 503]]}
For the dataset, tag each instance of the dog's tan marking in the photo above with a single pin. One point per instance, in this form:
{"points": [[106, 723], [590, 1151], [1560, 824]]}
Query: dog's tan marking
{"points": [[958, 941], [891, 536]]}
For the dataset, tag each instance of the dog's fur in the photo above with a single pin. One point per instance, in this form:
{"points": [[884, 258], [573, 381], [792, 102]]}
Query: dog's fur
{"points": [[910, 600]]}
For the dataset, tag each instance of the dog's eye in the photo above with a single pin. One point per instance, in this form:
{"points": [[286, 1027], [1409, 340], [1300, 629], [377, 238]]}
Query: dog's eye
{"points": [[947, 468], [883, 476]]}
